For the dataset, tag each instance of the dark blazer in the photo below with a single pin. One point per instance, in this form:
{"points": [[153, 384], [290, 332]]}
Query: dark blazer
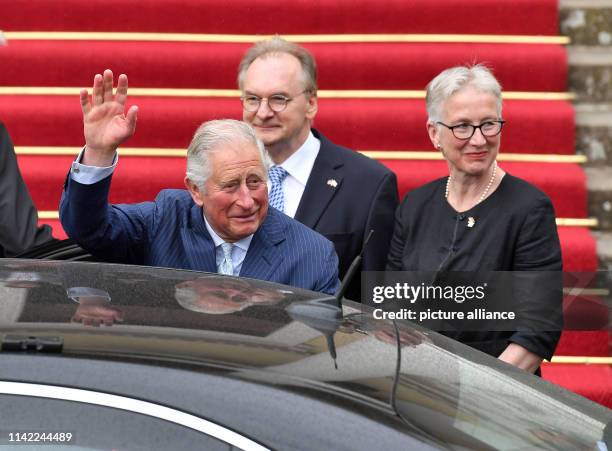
{"points": [[513, 230], [18, 217], [171, 232], [346, 196]]}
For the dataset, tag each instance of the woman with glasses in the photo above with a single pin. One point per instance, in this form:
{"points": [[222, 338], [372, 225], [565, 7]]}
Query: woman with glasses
{"points": [[478, 218]]}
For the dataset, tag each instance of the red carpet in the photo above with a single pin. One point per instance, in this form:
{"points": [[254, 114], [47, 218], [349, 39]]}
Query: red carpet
{"points": [[592, 343], [364, 124], [552, 178], [591, 381], [529, 17], [579, 251], [341, 66], [133, 181]]}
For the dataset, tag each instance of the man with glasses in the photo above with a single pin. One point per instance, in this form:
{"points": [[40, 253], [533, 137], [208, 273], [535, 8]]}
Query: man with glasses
{"points": [[221, 223], [333, 190]]}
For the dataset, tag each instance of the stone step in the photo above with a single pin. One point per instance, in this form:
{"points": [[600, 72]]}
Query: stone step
{"points": [[604, 251], [586, 22], [599, 184], [594, 132], [590, 72], [594, 139]]}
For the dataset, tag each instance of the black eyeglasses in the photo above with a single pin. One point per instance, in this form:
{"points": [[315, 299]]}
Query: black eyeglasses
{"points": [[466, 131], [276, 102]]}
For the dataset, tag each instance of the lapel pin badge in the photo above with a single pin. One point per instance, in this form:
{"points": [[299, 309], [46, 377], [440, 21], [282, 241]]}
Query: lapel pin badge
{"points": [[471, 222], [332, 183]]}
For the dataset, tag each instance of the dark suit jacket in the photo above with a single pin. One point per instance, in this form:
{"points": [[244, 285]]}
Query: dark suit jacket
{"points": [[18, 217], [171, 232], [364, 198], [514, 231]]}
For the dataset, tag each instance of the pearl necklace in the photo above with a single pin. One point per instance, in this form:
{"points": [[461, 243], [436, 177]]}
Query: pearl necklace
{"points": [[486, 191]]}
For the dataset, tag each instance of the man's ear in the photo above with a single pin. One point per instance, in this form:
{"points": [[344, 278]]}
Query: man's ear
{"points": [[195, 191], [313, 107], [432, 131]]}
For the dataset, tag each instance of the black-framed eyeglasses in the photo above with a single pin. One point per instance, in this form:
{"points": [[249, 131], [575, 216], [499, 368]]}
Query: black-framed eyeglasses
{"points": [[276, 102], [488, 129]]}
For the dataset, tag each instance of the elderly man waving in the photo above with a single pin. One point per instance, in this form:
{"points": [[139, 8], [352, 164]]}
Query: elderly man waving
{"points": [[221, 223]]}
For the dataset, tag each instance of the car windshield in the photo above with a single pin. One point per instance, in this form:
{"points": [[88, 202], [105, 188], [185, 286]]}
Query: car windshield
{"points": [[240, 338]]}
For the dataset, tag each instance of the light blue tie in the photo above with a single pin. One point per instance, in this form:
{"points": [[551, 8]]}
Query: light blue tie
{"points": [[276, 197], [227, 265]]}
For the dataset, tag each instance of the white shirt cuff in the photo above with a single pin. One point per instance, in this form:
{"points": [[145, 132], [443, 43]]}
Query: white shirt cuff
{"points": [[88, 175]]}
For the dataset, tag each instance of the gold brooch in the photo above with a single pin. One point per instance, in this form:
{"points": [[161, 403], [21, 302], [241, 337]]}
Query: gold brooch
{"points": [[471, 222]]}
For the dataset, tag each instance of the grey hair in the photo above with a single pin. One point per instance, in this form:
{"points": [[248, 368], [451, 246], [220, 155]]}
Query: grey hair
{"points": [[449, 81], [275, 46], [210, 137]]}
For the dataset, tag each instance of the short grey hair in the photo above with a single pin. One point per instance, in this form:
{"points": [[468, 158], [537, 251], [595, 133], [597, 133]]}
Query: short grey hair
{"points": [[275, 46], [452, 80], [210, 137]]}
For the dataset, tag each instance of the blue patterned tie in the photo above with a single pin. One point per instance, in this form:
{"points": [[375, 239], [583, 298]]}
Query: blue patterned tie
{"points": [[227, 265], [276, 197]]}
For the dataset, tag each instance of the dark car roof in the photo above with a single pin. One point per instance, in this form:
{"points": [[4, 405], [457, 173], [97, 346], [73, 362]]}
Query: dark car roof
{"points": [[276, 336]]}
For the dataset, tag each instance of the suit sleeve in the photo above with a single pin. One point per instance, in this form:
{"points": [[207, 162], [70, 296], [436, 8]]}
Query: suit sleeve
{"points": [[328, 280], [380, 220], [398, 240], [19, 224], [115, 233], [539, 283]]}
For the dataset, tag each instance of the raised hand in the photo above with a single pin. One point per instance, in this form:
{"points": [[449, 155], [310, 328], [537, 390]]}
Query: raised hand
{"points": [[105, 123]]}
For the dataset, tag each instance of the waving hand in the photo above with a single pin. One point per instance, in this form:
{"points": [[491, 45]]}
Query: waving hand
{"points": [[105, 124]]}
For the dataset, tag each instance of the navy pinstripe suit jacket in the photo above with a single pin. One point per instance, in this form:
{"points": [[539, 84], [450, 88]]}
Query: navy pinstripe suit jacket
{"points": [[171, 232]]}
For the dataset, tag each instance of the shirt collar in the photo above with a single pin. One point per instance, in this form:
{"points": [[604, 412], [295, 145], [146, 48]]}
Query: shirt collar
{"points": [[243, 244], [299, 164]]}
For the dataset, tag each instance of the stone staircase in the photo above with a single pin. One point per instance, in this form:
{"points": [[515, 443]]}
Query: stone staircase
{"points": [[588, 23]]}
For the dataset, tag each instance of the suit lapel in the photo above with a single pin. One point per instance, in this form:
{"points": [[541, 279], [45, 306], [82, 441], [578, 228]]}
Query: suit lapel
{"points": [[323, 183], [199, 243], [264, 256]]}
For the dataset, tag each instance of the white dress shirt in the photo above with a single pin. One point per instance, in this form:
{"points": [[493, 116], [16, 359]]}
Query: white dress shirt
{"points": [[88, 175], [299, 166]]}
